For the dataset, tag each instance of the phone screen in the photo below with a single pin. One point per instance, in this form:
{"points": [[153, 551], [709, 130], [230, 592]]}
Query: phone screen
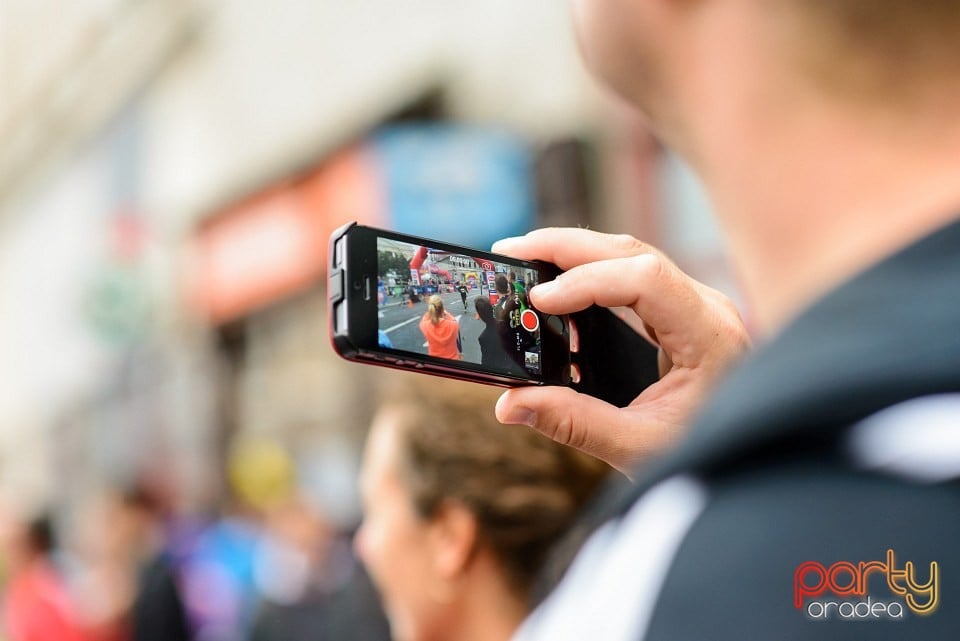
{"points": [[457, 307]]}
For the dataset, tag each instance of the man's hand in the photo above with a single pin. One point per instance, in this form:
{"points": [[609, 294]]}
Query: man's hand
{"points": [[698, 330]]}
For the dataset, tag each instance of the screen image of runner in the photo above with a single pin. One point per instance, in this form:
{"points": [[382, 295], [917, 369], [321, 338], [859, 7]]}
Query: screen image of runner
{"points": [[457, 307]]}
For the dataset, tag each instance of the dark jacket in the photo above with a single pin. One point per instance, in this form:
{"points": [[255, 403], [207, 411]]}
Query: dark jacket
{"points": [[771, 450]]}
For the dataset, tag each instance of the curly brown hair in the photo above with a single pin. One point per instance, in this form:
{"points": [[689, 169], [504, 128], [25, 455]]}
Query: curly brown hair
{"points": [[524, 489]]}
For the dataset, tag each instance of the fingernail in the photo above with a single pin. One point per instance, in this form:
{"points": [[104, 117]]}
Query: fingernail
{"points": [[521, 416], [503, 245]]}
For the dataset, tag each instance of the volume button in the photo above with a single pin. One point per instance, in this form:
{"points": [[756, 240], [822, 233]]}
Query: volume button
{"points": [[336, 286]]}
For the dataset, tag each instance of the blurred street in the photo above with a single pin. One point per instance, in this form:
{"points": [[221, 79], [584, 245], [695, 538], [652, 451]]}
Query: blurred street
{"points": [[174, 426]]}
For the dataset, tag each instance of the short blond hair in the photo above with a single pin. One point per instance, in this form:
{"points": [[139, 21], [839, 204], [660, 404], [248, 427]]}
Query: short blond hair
{"points": [[879, 48]]}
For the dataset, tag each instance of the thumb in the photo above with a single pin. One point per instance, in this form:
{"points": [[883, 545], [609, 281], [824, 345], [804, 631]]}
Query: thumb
{"points": [[580, 421]]}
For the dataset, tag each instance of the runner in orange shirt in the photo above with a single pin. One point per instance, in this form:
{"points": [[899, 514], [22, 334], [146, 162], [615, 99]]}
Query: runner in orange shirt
{"points": [[441, 330]]}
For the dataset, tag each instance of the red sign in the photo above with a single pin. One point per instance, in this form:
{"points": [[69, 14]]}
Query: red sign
{"points": [[274, 244]]}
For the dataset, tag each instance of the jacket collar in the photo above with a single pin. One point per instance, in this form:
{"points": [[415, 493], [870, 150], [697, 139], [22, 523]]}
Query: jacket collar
{"points": [[889, 334]]}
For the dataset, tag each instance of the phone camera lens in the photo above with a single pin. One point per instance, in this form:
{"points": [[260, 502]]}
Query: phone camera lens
{"points": [[357, 285]]}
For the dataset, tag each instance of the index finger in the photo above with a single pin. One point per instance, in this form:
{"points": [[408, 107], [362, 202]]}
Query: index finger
{"points": [[655, 289], [568, 247]]}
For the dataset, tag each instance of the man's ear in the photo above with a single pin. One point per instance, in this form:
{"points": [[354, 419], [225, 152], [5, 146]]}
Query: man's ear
{"points": [[453, 539]]}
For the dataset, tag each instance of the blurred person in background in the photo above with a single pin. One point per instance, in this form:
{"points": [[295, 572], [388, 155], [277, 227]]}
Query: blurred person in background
{"points": [[221, 592], [299, 564], [37, 605], [441, 330], [128, 581], [460, 511], [158, 612], [354, 612], [105, 566]]}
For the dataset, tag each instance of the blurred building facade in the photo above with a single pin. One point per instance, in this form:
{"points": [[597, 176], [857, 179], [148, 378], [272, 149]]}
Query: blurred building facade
{"points": [[169, 168]]}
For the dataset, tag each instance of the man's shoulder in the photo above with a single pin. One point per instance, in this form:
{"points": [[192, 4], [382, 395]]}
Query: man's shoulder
{"points": [[807, 542], [730, 546], [782, 551]]}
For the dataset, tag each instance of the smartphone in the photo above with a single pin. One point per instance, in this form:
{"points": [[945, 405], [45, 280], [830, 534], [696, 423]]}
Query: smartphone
{"points": [[425, 305]]}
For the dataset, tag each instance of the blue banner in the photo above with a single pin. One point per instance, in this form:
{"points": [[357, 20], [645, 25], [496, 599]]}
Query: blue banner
{"points": [[463, 184]]}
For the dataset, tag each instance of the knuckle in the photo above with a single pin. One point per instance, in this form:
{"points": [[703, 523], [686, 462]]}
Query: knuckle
{"points": [[722, 303], [731, 310], [650, 266], [627, 243], [731, 322], [562, 429]]}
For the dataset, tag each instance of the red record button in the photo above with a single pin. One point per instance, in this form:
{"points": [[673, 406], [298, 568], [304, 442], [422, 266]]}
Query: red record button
{"points": [[530, 320]]}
